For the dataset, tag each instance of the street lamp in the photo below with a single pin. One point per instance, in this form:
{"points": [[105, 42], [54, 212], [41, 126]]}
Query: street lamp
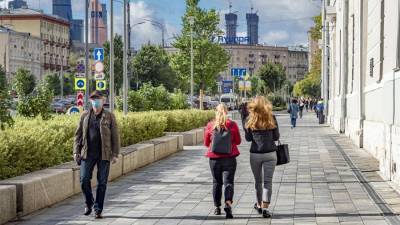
{"points": [[191, 22], [156, 24]]}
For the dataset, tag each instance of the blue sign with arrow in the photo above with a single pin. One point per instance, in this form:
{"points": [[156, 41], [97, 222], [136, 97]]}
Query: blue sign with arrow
{"points": [[98, 54], [238, 72]]}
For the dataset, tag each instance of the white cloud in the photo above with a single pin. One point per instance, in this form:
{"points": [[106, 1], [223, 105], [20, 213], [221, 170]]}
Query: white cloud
{"points": [[274, 37]]}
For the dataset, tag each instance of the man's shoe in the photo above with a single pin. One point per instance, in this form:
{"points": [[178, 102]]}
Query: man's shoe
{"points": [[98, 215], [228, 212], [217, 211], [88, 211]]}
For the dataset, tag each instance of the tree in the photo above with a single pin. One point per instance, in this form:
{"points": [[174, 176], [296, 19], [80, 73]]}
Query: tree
{"points": [[271, 76], [311, 85], [209, 58], [151, 64], [53, 81], [24, 82], [36, 103], [5, 102], [118, 59]]}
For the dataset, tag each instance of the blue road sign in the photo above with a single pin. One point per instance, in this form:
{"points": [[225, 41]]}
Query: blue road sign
{"points": [[80, 68], [227, 86], [238, 72], [98, 54]]}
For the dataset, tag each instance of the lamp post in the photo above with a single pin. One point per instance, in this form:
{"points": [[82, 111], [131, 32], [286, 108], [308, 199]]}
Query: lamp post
{"points": [[110, 2], [125, 61], [191, 22]]}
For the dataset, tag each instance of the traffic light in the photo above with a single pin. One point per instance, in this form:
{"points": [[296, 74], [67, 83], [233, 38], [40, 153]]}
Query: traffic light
{"points": [[80, 98]]}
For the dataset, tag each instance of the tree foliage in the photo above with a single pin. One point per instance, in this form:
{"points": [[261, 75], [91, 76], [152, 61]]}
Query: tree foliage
{"points": [[151, 64], [5, 102], [269, 78], [118, 61], [316, 30], [24, 82], [36, 103], [209, 58]]}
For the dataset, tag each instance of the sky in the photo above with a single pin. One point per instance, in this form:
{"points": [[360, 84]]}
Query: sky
{"points": [[282, 22]]}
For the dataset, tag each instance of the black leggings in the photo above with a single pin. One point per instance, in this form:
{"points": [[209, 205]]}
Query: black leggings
{"points": [[223, 172]]}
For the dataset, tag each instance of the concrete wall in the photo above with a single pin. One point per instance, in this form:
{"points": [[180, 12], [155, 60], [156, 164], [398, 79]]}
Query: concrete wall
{"points": [[31, 192]]}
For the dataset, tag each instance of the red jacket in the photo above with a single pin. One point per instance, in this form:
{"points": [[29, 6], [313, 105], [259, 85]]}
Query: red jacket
{"points": [[235, 135]]}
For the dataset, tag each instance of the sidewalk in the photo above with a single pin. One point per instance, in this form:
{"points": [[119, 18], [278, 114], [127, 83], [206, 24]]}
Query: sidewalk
{"points": [[328, 182]]}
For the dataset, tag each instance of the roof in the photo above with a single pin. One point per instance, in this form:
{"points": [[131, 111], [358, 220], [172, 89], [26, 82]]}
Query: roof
{"points": [[4, 29], [26, 13], [299, 48]]}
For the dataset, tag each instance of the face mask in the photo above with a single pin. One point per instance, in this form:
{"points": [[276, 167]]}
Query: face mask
{"points": [[97, 103]]}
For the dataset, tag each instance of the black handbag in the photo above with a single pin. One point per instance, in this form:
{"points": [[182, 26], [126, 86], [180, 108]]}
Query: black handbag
{"points": [[282, 154]]}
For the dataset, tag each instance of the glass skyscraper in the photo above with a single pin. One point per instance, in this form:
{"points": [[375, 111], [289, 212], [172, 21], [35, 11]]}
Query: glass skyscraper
{"points": [[63, 9], [252, 28], [16, 4]]}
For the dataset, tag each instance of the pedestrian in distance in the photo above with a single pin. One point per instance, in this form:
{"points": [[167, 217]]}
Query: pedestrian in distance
{"points": [[222, 137], [320, 111], [293, 111], [262, 131], [301, 106], [96, 144]]}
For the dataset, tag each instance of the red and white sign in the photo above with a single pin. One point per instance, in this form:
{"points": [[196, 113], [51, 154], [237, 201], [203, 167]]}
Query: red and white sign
{"points": [[80, 95], [98, 67]]}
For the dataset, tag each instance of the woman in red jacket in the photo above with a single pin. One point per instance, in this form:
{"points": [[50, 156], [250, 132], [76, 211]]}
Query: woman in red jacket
{"points": [[223, 165]]}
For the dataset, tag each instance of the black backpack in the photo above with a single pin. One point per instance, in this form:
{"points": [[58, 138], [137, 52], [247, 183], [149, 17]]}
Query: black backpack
{"points": [[222, 141]]}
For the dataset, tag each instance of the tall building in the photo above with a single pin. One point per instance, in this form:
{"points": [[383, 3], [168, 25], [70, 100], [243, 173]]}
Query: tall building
{"points": [[19, 50], [252, 27], [53, 32], [231, 25], [77, 30], [97, 22], [63, 9], [17, 4]]}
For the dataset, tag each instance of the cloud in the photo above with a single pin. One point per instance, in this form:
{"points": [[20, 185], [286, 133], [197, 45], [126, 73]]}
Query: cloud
{"points": [[274, 37]]}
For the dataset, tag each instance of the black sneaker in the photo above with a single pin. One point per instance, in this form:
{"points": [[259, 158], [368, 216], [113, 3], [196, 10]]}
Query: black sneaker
{"points": [[217, 211], [88, 211], [266, 213], [228, 212], [259, 209]]}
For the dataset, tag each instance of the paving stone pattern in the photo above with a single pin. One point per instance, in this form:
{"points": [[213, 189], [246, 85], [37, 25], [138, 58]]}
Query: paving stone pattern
{"points": [[317, 187]]}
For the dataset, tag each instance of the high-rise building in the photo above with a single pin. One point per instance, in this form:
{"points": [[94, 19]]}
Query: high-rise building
{"points": [[77, 30], [252, 28], [63, 9], [17, 4], [97, 22], [231, 24]]}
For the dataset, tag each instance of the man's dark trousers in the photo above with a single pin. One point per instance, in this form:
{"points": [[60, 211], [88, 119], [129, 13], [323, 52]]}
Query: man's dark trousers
{"points": [[103, 169]]}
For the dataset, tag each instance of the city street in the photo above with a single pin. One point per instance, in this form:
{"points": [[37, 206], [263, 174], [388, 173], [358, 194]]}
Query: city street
{"points": [[327, 182]]}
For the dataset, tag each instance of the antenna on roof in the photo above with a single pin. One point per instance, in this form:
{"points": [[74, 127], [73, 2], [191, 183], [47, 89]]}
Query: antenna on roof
{"points": [[230, 7]]}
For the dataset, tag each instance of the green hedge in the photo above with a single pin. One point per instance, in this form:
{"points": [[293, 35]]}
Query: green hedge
{"points": [[34, 144]]}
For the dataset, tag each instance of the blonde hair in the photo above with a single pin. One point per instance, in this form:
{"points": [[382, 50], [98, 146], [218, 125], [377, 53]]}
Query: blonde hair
{"points": [[260, 114], [220, 116]]}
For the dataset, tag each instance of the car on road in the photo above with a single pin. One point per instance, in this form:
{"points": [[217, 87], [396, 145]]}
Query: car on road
{"points": [[58, 107]]}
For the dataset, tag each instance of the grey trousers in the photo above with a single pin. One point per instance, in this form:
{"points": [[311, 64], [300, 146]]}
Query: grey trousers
{"points": [[263, 167]]}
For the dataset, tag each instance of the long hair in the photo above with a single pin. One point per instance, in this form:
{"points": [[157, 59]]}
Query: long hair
{"points": [[260, 117], [220, 116]]}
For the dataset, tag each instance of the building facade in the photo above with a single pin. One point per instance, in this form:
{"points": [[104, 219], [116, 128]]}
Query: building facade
{"points": [[97, 22], [17, 4], [19, 50], [52, 31], [252, 57], [363, 76], [298, 64]]}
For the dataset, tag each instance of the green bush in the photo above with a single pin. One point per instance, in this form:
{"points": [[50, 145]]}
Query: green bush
{"points": [[276, 101], [34, 144]]}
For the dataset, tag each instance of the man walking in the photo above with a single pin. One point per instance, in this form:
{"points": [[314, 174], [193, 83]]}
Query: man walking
{"points": [[96, 143]]}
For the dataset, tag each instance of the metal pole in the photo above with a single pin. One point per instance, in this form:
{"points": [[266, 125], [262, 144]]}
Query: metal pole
{"points": [[110, 3], [191, 65], [62, 79], [86, 105], [125, 64], [162, 33]]}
